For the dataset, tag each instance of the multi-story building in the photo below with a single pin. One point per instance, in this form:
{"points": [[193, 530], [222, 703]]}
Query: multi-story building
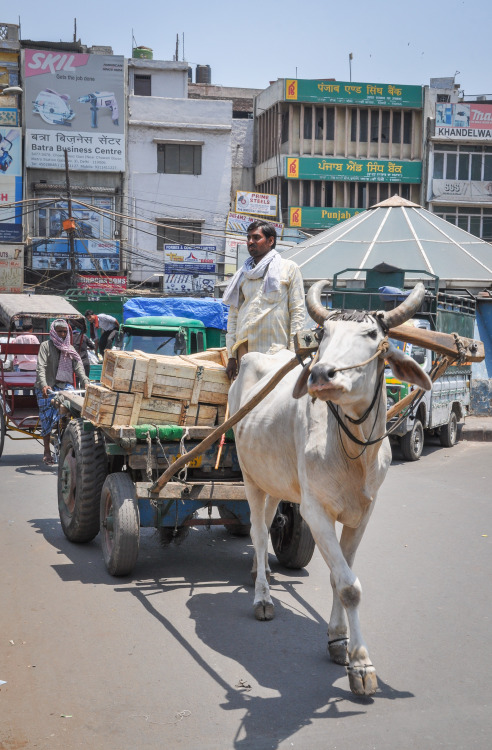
{"points": [[179, 176], [458, 178], [11, 232], [330, 149], [74, 146]]}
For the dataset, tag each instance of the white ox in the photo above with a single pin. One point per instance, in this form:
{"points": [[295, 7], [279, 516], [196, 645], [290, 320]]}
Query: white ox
{"points": [[294, 449]]}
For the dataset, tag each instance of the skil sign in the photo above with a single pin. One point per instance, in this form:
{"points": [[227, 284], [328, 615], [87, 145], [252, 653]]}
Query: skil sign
{"points": [[464, 121], [74, 103]]}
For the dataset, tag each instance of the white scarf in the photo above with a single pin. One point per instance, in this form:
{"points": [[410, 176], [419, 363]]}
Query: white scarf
{"points": [[270, 266]]}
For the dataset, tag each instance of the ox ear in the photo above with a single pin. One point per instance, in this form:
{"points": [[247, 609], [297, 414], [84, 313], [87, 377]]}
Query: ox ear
{"points": [[405, 368], [300, 388]]}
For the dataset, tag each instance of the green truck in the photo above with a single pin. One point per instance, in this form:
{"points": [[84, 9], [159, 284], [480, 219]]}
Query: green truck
{"points": [[439, 410], [166, 334]]}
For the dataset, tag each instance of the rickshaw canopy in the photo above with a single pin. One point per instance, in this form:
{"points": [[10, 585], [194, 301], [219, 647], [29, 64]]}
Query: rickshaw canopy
{"points": [[13, 306]]}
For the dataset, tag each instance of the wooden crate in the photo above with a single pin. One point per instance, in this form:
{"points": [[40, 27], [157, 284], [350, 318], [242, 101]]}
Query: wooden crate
{"points": [[106, 408], [194, 379]]}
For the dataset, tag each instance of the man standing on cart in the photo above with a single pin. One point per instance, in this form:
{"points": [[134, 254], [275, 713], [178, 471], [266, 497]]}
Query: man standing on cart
{"points": [[57, 363], [108, 325], [266, 298]]}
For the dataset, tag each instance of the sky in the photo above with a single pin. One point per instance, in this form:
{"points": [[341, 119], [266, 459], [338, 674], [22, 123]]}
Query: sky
{"points": [[252, 43]]}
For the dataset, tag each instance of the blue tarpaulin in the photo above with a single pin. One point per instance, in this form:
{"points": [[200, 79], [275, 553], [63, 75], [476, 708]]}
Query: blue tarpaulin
{"points": [[211, 312]]}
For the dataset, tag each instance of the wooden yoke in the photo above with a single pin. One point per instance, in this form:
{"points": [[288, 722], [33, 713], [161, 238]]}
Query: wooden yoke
{"points": [[441, 343]]}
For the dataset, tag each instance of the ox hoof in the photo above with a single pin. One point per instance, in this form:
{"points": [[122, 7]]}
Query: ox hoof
{"points": [[362, 680], [268, 576], [338, 651], [264, 611]]}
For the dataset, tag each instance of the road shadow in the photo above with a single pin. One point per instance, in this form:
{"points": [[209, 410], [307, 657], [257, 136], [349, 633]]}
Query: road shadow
{"points": [[285, 657]]}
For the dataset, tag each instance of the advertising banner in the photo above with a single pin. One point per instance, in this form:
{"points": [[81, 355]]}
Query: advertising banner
{"points": [[239, 223], [471, 192], [190, 268], [74, 102], [344, 92], [11, 269], [256, 203], [9, 116], [319, 218], [464, 121], [10, 184], [90, 255], [107, 284], [352, 170]]}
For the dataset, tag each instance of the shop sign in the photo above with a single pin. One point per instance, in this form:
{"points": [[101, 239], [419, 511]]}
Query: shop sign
{"points": [[75, 103], [239, 223], [460, 190], [90, 255], [256, 203], [344, 92], [106, 284], [352, 170], [464, 121], [311, 217], [11, 269]]}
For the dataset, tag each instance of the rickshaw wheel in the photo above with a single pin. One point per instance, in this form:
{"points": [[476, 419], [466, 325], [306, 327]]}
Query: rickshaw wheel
{"points": [[3, 429], [120, 524], [81, 473], [291, 537]]}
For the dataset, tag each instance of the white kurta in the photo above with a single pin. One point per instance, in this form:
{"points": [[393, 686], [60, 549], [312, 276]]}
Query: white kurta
{"points": [[267, 321]]}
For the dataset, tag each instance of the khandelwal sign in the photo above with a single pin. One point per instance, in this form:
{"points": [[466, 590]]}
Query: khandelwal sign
{"points": [[74, 102], [464, 121]]}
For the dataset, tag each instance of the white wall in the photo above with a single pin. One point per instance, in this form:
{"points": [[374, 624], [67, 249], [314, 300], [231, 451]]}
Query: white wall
{"points": [[153, 196]]}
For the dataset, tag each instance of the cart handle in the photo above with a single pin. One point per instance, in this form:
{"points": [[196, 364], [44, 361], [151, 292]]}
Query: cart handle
{"points": [[215, 435]]}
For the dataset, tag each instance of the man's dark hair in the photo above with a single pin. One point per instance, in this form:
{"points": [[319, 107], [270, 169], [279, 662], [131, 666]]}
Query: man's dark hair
{"points": [[265, 226], [27, 327], [89, 312]]}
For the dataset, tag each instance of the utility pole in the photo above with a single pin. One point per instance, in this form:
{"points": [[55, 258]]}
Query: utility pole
{"points": [[351, 57], [69, 226]]}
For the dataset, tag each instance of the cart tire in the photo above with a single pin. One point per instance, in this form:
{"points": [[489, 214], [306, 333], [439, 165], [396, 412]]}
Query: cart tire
{"points": [[81, 473], [3, 429], [120, 524], [412, 443], [234, 529], [448, 434], [292, 540]]}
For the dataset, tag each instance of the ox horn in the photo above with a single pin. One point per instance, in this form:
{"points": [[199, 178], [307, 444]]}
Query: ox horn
{"points": [[405, 309], [313, 302]]}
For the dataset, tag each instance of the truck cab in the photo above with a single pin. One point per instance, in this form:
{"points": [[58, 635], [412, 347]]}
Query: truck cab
{"points": [[166, 334]]}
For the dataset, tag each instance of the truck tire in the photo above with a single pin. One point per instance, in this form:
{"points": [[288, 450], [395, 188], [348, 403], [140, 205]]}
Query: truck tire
{"points": [[81, 472], [448, 434], [292, 540], [120, 524], [412, 443]]}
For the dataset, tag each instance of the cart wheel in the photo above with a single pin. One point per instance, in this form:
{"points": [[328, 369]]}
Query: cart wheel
{"points": [[412, 443], [81, 473], [234, 529], [291, 537], [120, 524], [448, 434], [3, 429]]}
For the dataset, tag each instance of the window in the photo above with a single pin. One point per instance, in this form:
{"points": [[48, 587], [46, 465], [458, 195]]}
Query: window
{"points": [[396, 127], [142, 85], [308, 121], [89, 223], [476, 221], [362, 116], [179, 158], [407, 127], [178, 233], [330, 123], [463, 163], [318, 124]]}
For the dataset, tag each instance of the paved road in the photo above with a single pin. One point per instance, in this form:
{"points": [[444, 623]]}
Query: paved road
{"points": [[173, 658]]}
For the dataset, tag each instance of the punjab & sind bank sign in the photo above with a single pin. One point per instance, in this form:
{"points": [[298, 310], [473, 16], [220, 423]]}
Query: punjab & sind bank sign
{"points": [[344, 92], [352, 170]]}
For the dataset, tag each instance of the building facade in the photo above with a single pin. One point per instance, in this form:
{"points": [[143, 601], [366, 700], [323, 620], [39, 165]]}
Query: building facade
{"points": [[330, 149], [459, 157], [179, 176]]}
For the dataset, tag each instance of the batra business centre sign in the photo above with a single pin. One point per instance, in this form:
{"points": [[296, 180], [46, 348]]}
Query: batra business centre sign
{"points": [[74, 103], [464, 121]]}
